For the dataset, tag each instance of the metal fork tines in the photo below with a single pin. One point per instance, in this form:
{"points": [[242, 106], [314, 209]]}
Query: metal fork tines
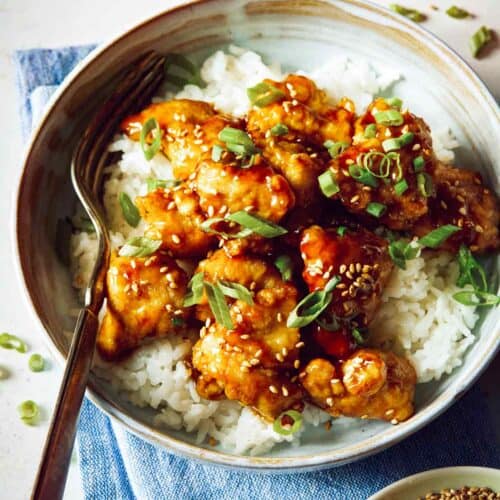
{"points": [[89, 160]]}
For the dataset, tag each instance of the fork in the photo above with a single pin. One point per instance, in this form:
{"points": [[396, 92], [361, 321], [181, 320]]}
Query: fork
{"points": [[88, 162]]}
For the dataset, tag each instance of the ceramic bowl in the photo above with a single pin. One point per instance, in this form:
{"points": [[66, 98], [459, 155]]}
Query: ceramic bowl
{"points": [[437, 85]]}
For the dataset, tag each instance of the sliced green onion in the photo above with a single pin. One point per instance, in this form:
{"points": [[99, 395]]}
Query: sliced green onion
{"points": [[8, 341], [391, 117], [395, 102], [385, 165], [154, 184], [406, 139], [363, 176], [150, 126], [401, 187], [195, 290], [328, 184], [285, 267], [236, 291], [237, 141], [425, 184], [412, 14], [479, 39], [376, 209], [206, 226], [471, 271], [36, 363], [357, 336], [139, 246], [335, 148], [129, 210], [312, 305], [176, 62], [438, 236], [457, 12], [418, 163], [476, 298], [400, 251], [370, 131], [177, 322], [256, 224], [287, 429], [398, 142], [341, 230], [218, 305], [263, 94], [29, 412], [217, 152], [279, 129]]}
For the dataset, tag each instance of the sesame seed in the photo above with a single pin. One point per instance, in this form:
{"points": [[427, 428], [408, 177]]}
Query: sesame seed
{"points": [[354, 199], [178, 312], [169, 307], [258, 353], [296, 364], [171, 205], [210, 211], [329, 401], [415, 147], [349, 275], [279, 317], [364, 417], [126, 288], [394, 421], [133, 264], [208, 322], [284, 390], [254, 361], [298, 345], [388, 132], [134, 287], [284, 351], [244, 369], [279, 357], [349, 161], [478, 228], [245, 336], [176, 239], [389, 412], [342, 269], [352, 268], [462, 210], [239, 318], [273, 389], [359, 267], [443, 204]]}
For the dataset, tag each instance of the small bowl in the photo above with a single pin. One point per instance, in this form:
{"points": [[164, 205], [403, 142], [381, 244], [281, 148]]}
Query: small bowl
{"points": [[438, 85], [418, 485]]}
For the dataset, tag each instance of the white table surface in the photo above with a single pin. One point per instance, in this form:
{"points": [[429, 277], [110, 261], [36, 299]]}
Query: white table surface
{"points": [[55, 23]]}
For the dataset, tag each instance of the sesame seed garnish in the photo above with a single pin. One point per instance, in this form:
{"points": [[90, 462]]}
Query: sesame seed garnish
{"points": [[169, 307], [284, 351], [349, 275], [258, 353], [462, 210], [354, 199], [279, 357], [415, 147], [329, 401], [208, 322], [364, 417], [133, 264], [245, 336], [296, 364], [176, 239], [389, 412], [279, 317], [210, 211], [171, 205], [284, 390], [273, 389], [478, 228], [244, 368], [394, 421], [126, 288], [134, 287], [300, 344], [349, 161]]}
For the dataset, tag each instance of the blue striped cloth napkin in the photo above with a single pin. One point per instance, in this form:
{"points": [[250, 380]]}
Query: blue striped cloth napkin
{"points": [[118, 465]]}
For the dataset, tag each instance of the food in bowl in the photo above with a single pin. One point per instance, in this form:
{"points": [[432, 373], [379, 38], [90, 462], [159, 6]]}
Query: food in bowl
{"points": [[261, 229]]}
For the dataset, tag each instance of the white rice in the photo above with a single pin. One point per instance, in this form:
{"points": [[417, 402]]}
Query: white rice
{"points": [[418, 317]]}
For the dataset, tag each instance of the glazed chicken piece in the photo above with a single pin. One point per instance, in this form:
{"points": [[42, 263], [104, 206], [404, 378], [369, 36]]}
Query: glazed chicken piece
{"points": [[190, 130], [361, 260], [299, 153], [174, 216], [462, 200], [401, 204], [226, 188], [369, 384], [145, 297], [252, 363]]}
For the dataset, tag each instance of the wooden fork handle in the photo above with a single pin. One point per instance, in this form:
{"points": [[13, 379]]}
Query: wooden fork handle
{"points": [[51, 475]]}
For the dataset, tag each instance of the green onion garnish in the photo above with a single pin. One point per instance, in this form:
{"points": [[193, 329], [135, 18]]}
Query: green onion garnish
{"points": [[218, 305], [412, 14], [150, 126], [363, 176], [357, 336], [312, 305], [206, 226], [279, 129], [401, 187], [237, 141], [177, 322], [285, 267], [425, 184], [175, 63], [263, 94], [476, 298], [36, 363], [195, 290], [376, 209], [217, 152], [386, 163], [328, 184], [129, 210], [341, 230], [256, 224], [438, 236], [395, 102], [285, 429], [335, 148], [390, 117], [457, 12], [139, 246], [236, 291], [400, 251], [154, 184], [29, 412], [370, 131], [479, 39], [8, 341], [471, 271], [398, 142], [418, 163]]}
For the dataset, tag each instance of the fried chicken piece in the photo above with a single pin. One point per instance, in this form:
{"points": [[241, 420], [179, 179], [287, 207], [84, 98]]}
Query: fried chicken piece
{"points": [[227, 188], [145, 297], [190, 130], [174, 216], [310, 120], [369, 384], [360, 258], [462, 200], [401, 210], [252, 362]]}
